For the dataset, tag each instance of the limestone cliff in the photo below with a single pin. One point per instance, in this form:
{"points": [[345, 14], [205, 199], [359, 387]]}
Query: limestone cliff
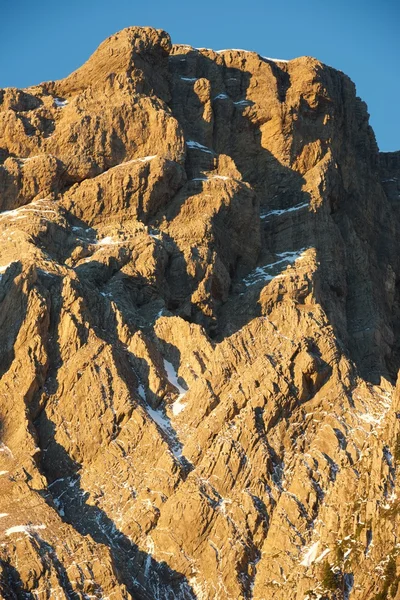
{"points": [[199, 325]]}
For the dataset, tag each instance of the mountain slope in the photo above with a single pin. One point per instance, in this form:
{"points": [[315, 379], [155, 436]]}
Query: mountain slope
{"points": [[199, 331]]}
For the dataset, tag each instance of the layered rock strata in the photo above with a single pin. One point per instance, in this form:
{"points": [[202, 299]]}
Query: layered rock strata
{"points": [[199, 321]]}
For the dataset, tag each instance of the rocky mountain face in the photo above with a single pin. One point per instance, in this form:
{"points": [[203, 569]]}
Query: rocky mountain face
{"points": [[199, 325]]}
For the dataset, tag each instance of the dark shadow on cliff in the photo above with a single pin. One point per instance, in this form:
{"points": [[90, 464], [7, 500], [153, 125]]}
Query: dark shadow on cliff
{"points": [[234, 132], [49, 558], [143, 576], [99, 308], [9, 328], [358, 314], [11, 585], [127, 297]]}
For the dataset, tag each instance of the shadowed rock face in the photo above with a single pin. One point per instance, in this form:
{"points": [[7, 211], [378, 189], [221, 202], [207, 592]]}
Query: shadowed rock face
{"points": [[199, 332]]}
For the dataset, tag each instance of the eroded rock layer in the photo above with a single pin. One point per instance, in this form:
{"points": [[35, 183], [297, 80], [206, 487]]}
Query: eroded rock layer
{"points": [[199, 324]]}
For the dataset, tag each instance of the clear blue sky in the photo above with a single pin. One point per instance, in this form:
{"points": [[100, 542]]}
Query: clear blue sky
{"points": [[43, 39]]}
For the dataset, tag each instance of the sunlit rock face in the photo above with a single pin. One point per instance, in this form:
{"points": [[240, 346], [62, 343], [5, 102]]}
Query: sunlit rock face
{"points": [[200, 324]]}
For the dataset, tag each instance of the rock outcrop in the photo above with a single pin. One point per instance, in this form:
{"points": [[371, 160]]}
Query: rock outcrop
{"points": [[200, 324]]}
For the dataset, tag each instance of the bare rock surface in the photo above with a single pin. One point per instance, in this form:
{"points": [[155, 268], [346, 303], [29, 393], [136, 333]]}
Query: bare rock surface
{"points": [[200, 324]]}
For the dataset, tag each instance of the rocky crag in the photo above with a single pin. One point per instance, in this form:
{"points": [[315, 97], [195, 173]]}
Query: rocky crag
{"points": [[199, 321]]}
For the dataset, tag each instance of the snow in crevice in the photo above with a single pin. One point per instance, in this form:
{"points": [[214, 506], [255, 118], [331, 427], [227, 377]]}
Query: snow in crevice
{"points": [[282, 211], [150, 551], [348, 584], [310, 555], [141, 391], [108, 241], [79, 229], [60, 103], [86, 235], [163, 422], [322, 555], [221, 96], [369, 542], [371, 419], [32, 208], [210, 177], [177, 406], [29, 158], [254, 564], [388, 456], [172, 376], [373, 414], [196, 146], [244, 103], [269, 272], [27, 529], [160, 417], [142, 159], [190, 79]]}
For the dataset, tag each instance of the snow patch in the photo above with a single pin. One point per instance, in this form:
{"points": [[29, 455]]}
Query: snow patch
{"points": [[159, 418], [284, 60], [310, 555], [322, 555], [388, 456], [284, 210], [108, 241], [105, 241], [172, 376], [266, 272], [196, 146], [142, 159], [150, 552], [142, 392], [199, 588], [164, 424], [27, 529], [15, 213], [223, 177], [243, 103], [177, 407], [368, 418], [60, 102]]}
